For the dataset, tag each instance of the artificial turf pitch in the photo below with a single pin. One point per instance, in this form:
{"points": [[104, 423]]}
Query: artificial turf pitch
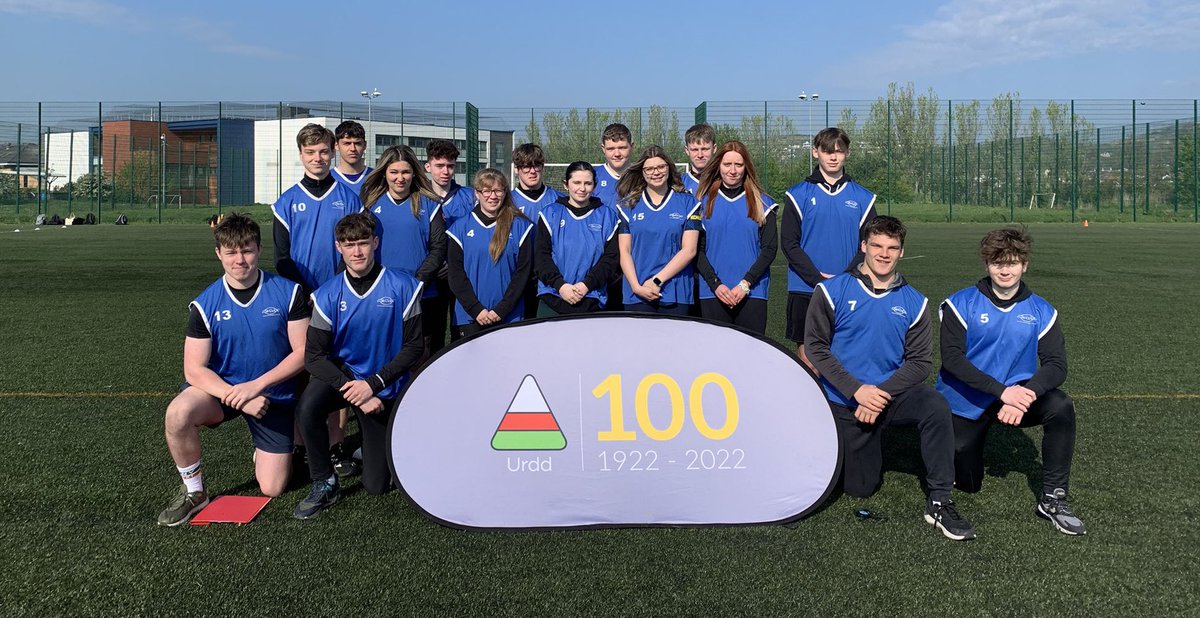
{"points": [[91, 334]]}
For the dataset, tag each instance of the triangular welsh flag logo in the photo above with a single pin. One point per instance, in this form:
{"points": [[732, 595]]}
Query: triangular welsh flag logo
{"points": [[528, 424]]}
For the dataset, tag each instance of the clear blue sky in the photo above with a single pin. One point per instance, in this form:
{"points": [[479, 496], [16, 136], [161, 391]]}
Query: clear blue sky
{"points": [[551, 54]]}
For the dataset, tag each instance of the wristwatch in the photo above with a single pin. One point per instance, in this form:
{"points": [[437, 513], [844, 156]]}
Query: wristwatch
{"points": [[656, 281], [744, 286]]}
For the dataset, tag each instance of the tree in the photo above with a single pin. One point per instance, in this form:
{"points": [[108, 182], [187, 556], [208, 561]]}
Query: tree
{"points": [[138, 179], [88, 186], [966, 136]]}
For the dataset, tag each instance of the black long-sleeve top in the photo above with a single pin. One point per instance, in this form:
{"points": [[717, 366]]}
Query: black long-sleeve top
{"points": [[1051, 349], [463, 289], [818, 337], [768, 246], [791, 228], [284, 264], [328, 369], [598, 276], [427, 272]]}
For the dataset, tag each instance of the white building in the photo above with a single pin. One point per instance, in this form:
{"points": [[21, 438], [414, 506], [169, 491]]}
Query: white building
{"points": [[66, 156]]}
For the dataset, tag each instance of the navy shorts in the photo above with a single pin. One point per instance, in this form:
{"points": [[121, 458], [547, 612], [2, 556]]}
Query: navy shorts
{"points": [[273, 432]]}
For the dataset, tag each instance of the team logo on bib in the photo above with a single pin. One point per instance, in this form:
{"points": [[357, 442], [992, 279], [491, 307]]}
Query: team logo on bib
{"points": [[676, 216], [900, 311], [270, 312], [851, 204], [595, 227], [339, 204], [386, 301], [1025, 318]]}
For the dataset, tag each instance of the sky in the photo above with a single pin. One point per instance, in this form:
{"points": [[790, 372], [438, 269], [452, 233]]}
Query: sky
{"points": [[558, 54]]}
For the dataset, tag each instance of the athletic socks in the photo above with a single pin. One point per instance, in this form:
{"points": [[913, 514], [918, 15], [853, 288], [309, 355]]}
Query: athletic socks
{"points": [[192, 477]]}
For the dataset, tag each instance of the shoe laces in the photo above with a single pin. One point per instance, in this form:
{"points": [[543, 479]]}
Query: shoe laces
{"points": [[1059, 506], [319, 489], [948, 511]]}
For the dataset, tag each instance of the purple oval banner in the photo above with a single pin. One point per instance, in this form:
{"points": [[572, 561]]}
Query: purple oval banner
{"points": [[614, 420]]}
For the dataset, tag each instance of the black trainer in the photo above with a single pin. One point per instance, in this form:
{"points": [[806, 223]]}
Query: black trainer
{"points": [[1055, 508], [946, 518], [343, 464], [322, 496]]}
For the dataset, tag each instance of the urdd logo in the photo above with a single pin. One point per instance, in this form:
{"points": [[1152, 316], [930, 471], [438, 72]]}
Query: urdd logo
{"points": [[528, 424]]}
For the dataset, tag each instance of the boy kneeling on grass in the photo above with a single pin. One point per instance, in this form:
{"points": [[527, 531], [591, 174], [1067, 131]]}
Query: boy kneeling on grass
{"points": [[244, 344], [1003, 359], [364, 340]]}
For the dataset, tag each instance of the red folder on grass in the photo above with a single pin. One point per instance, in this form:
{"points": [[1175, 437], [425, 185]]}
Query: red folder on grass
{"points": [[230, 510]]}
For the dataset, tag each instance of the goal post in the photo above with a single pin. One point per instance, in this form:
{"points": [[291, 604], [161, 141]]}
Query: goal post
{"points": [[1042, 200]]}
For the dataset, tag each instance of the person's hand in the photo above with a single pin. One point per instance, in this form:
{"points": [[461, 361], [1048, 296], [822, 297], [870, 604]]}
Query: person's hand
{"points": [[356, 392], [493, 317], [371, 406], [644, 292], [724, 295], [738, 294], [1010, 415], [240, 394], [871, 399], [257, 406], [484, 318], [653, 287], [1018, 397], [582, 289], [568, 293]]}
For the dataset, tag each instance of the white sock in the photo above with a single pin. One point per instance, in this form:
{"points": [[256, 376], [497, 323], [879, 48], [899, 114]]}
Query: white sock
{"points": [[192, 477], [332, 480]]}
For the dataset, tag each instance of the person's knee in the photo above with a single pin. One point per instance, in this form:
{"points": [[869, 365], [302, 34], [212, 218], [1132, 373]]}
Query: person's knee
{"points": [[933, 407], [1059, 409], [180, 414], [273, 488]]}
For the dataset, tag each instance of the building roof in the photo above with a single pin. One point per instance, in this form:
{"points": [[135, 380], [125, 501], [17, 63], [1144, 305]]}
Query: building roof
{"points": [[8, 154]]}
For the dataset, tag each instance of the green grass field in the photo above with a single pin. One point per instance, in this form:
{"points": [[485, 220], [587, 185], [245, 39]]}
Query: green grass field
{"points": [[92, 329]]}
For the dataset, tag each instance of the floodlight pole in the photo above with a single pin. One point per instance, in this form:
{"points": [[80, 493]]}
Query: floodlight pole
{"points": [[373, 94], [809, 99]]}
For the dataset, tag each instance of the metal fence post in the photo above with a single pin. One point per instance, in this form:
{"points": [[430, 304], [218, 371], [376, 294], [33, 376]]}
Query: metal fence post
{"points": [[950, 146], [41, 187], [1121, 192], [1133, 185], [1097, 170], [18, 196], [71, 172], [162, 162], [1147, 191], [279, 153], [1175, 173], [220, 149], [98, 176], [889, 156]]}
